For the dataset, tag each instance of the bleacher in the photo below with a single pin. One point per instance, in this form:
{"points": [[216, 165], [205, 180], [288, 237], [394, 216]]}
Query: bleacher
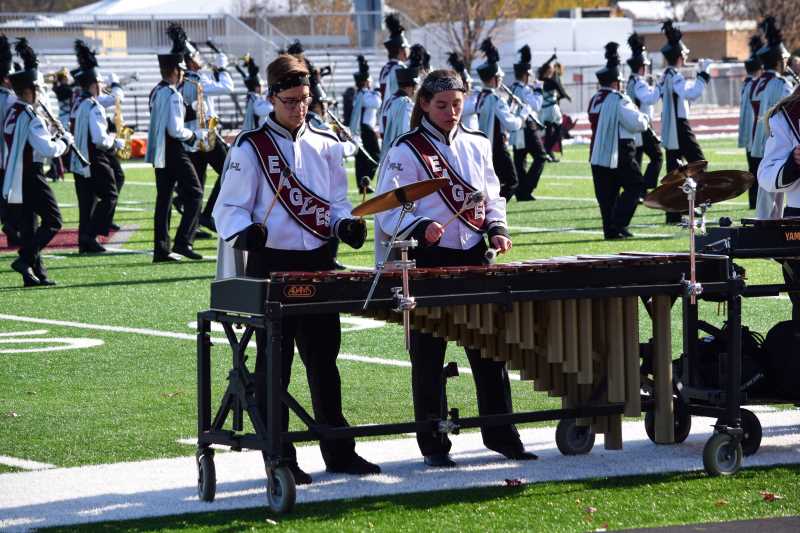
{"points": [[230, 108]]}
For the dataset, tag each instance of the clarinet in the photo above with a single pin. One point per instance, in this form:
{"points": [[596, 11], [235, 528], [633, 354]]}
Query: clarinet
{"points": [[53, 122]]}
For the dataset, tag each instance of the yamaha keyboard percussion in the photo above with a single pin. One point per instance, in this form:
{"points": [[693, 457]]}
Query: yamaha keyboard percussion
{"points": [[779, 238]]}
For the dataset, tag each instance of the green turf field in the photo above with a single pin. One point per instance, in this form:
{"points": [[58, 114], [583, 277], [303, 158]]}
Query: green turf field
{"points": [[133, 396]]}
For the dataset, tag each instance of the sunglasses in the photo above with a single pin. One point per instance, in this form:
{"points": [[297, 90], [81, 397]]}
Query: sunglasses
{"points": [[294, 102]]}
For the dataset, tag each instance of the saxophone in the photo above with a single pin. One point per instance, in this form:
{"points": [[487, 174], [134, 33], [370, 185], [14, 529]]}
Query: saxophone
{"points": [[202, 121], [123, 132]]}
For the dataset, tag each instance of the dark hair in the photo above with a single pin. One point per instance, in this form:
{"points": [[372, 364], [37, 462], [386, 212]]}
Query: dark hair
{"points": [[166, 72], [424, 93], [285, 66]]}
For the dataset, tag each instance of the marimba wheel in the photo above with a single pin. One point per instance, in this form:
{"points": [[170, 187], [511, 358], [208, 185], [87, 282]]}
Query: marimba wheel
{"points": [[573, 439], [683, 423], [752, 432], [281, 491], [206, 475], [722, 455]]}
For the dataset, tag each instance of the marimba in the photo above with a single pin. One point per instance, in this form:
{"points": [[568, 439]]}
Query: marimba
{"points": [[568, 324]]}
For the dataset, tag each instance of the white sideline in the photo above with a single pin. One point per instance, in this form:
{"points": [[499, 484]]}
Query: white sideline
{"points": [[24, 464], [162, 487]]}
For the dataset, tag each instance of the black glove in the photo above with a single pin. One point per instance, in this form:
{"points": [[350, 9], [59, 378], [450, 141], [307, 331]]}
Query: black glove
{"points": [[352, 231], [252, 238], [418, 233]]}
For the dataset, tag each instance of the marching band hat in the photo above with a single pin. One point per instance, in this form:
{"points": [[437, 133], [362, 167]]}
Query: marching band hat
{"points": [[363, 70], [639, 57], [407, 76], [774, 50], [674, 47], [455, 60], [491, 67], [397, 36], [86, 73], [6, 57], [253, 78], [28, 76], [611, 72], [524, 65], [753, 63]]}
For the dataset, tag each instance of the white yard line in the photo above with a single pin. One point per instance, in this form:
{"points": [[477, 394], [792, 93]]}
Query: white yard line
{"points": [[24, 464], [164, 487]]}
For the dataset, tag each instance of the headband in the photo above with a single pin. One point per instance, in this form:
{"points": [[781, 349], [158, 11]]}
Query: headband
{"points": [[439, 85], [293, 81]]}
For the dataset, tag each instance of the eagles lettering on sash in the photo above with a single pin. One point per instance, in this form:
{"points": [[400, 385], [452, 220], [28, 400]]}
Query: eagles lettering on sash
{"points": [[458, 191], [309, 210]]}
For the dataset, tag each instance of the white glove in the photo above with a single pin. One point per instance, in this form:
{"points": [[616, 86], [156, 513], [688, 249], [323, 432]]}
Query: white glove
{"points": [[704, 64], [119, 144], [68, 138], [220, 61], [112, 78], [202, 136]]}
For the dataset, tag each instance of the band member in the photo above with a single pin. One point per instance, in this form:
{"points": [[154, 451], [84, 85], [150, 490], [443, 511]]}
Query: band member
{"points": [[257, 109], [397, 111], [779, 172], [398, 49], [770, 88], [95, 183], [218, 83], [552, 93], [752, 66], [615, 121], [526, 140], [65, 94], [27, 142], [363, 124], [469, 116], [7, 98], [167, 139], [645, 96], [438, 145], [495, 119], [676, 91], [283, 238]]}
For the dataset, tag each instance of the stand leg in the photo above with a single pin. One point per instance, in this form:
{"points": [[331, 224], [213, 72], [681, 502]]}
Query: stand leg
{"points": [[662, 370], [203, 375]]}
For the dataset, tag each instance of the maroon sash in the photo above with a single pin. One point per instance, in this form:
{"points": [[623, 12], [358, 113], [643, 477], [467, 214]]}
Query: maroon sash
{"points": [[792, 115], [456, 194], [309, 210]]}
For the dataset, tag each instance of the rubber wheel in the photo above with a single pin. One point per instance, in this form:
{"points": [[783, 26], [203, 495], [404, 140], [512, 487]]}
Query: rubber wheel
{"points": [[683, 423], [722, 455], [206, 477], [281, 493], [751, 426], [573, 439]]}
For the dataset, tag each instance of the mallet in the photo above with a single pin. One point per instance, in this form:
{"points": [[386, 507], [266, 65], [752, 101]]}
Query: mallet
{"points": [[472, 200], [285, 173]]}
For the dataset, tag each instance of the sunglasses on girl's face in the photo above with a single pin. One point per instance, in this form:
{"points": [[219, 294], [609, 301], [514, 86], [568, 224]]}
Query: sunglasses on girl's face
{"points": [[294, 102]]}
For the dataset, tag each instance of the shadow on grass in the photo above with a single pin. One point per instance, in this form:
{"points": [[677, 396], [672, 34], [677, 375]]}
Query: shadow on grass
{"points": [[116, 283]]}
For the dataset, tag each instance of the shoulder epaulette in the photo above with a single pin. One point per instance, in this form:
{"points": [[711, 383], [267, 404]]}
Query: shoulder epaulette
{"points": [[472, 132], [322, 132]]}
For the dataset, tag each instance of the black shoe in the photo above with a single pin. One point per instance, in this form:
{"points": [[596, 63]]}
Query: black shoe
{"points": [[300, 477], [186, 251], [90, 246], [41, 273], [164, 258], [552, 157], [615, 236], [28, 277], [203, 235], [114, 227], [338, 266], [526, 198], [358, 466], [207, 222], [520, 455], [440, 460], [625, 233]]}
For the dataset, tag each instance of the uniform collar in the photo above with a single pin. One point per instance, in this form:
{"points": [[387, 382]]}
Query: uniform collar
{"points": [[5, 90], [488, 90], [438, 134], [283, 132]]}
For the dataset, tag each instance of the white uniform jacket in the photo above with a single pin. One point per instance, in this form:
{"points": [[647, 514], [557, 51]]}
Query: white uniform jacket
{"points": [[470, 154], [777, 172], [315, 156]]}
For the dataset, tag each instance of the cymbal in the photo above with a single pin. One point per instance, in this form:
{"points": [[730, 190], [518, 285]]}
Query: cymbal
{"points": [[398, 196], [712, 187], [688, 170]]}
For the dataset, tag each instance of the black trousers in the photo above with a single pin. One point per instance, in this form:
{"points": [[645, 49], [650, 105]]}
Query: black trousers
{"points": [[318, 338], [552, 137], [688, 149], [427, 360], [178, 171], [8, 213], [504, 168], [617, 209], [119, 176], [752, 167], [529, 178], [38, 202], [651, 147], [97, 197], [201, 161], [363, 165]]}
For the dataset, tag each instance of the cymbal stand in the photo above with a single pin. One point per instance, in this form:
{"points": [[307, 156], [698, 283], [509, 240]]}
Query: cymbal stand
{"points": [[689, 187]]}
